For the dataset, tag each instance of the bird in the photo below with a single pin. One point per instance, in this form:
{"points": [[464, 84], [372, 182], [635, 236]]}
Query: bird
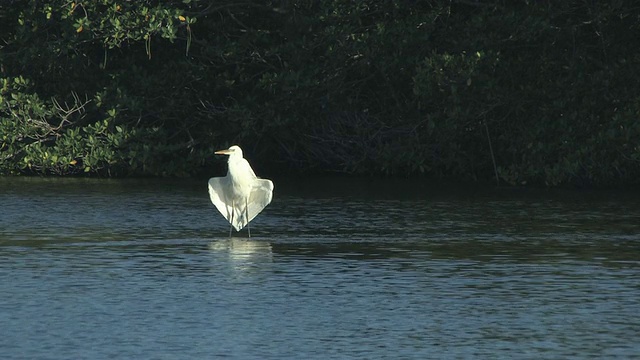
{"points": [[241, 195]]}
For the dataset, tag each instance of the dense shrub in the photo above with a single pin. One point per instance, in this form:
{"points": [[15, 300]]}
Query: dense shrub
{"points": [[529, 92]]}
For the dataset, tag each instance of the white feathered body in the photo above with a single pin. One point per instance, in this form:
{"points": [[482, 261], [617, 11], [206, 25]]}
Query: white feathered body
{"points": [[241, 177]]}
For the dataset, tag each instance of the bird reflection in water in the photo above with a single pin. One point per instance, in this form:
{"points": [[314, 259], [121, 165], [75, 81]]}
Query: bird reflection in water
{"points": [[242, 252]]}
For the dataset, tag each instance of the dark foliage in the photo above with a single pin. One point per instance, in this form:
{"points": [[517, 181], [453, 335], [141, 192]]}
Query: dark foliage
{"points": [[528, 92]]}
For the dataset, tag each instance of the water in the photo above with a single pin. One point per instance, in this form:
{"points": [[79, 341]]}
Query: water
{"points": [[96, 269]]}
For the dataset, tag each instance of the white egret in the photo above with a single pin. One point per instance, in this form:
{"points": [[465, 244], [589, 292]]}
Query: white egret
{"points": [[241, 195]]}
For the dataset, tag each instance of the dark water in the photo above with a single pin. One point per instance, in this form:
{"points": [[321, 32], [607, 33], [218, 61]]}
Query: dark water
{"points": [[95, 269]]}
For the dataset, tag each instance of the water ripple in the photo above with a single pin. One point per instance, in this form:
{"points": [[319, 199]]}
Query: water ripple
{"points": [[137, 269]]}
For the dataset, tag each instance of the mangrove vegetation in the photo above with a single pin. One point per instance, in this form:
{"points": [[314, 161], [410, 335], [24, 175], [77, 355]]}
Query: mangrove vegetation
{"points": [[519, 92]]}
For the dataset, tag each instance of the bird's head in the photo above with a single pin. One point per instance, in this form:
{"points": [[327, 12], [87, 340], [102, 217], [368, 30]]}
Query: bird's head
{"points": [[232, 151]]}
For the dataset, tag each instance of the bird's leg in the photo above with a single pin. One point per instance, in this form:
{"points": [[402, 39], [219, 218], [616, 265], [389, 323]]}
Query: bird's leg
{"points": [[246, 215], [231, 222]]}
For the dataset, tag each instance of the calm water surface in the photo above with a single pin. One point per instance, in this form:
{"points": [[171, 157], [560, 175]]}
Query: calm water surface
{"points": [[96, 269]]}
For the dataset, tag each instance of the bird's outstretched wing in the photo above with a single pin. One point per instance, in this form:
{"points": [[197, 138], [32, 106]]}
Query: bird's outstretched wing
{"points": [[218, 187], [260, 197]]}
